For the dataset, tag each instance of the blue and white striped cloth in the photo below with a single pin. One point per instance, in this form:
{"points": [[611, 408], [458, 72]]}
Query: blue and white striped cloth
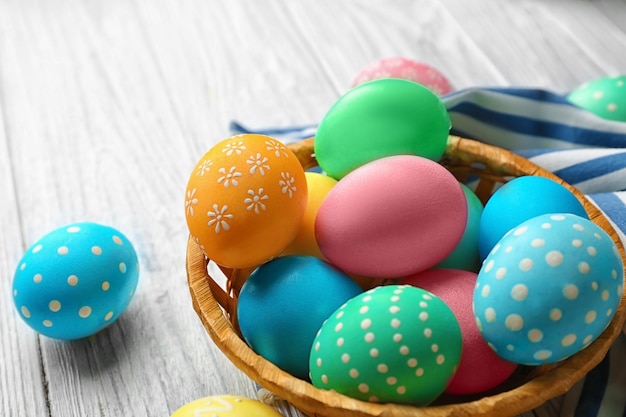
{"points": [[586, 151]]}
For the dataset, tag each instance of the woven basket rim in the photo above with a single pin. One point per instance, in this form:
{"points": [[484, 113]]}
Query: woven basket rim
{"points": [[317, 402]]}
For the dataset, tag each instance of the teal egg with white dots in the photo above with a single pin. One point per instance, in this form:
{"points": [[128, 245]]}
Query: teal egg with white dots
{"points": [[548, 289], [75, 280], [605, 97], [395, 343]]}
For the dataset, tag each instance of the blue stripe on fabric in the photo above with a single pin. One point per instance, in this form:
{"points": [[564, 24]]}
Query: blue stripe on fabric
{"points": [[534, 94], [533, 127], [295, 131], [594, 168], [593, 390], [613, 207]]}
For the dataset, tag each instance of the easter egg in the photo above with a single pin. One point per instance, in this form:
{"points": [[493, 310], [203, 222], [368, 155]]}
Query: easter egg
{"points": [[245, 200], [226, 406], [548, 289], [605, 97], [406, 69], [381, 118], [480, 368], [283, 304], [393, 343], [305, 243], [518, 200], [465, 255], [75, 280], [392, 217]]}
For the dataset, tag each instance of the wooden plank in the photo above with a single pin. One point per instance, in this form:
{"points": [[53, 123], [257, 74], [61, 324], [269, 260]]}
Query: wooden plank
{"points": [[22, 391], [97, 135], [22, 386], [422, 30], [537, 43], [599, 29]]}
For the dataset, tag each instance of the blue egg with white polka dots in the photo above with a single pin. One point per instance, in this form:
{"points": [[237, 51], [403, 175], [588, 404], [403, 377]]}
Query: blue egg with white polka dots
{"points": [[548, 289], [75, 280]]}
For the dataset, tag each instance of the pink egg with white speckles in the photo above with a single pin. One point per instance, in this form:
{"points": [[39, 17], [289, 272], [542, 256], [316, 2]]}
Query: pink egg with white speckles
{"points": [[406, 69]]}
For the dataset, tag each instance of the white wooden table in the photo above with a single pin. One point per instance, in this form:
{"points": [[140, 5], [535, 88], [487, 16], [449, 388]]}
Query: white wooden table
{"points": [[106, 105]]}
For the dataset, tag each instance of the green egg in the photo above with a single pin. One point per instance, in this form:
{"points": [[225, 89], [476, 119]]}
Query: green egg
{"points": [[395, 343], [605, 97], [381, 118]]}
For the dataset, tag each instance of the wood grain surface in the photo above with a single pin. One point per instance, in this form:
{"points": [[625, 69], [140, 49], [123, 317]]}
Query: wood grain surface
{"points": [[105, 106]]}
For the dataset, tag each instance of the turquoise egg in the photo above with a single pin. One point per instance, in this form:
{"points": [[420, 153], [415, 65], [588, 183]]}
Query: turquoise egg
{"points": [[548, 289], [283, 304], [521, 199], [75, 280], [465, 255]]}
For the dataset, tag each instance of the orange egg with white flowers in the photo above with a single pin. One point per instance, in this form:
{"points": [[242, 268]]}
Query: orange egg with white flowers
{"points": [[245, 200]]}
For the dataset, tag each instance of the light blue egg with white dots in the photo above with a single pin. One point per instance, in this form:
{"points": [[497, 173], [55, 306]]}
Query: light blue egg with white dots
{"points": [[75, 280], [548, 289]]}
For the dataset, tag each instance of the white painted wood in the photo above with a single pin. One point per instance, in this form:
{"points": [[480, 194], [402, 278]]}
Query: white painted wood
{"points": [[21, 387], [106, 106]]}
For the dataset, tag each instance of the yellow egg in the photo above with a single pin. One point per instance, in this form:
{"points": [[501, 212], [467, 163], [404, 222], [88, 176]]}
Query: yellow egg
{"points": [[304, 243], [245, 200], [226, 406]]}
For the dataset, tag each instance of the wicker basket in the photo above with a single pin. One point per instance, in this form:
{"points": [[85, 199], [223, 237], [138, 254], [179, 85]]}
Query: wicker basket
{"points": [[526, 389]]}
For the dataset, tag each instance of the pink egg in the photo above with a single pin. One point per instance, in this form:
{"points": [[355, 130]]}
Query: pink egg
{"points": [[481, 368], [392, 217], [407, 69]]}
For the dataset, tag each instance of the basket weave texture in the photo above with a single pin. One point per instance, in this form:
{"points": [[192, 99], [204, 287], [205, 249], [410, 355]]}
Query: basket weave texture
{"points": [[216, 306]]}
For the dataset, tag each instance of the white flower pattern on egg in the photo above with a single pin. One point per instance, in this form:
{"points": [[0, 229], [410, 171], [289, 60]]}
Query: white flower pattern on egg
{"points": [[234, 147], [239, 200], [204, 167], [229, 177], [277, 148], [219, 217], [287, 183], [258, 162], [191, 201], [254, 202]]}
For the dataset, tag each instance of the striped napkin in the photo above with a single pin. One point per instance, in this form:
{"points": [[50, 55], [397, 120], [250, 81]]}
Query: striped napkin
{"points": [[586, 151]]}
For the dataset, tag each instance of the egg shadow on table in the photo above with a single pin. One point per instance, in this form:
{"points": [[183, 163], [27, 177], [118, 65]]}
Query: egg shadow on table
{"points": [[96, 354]]}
